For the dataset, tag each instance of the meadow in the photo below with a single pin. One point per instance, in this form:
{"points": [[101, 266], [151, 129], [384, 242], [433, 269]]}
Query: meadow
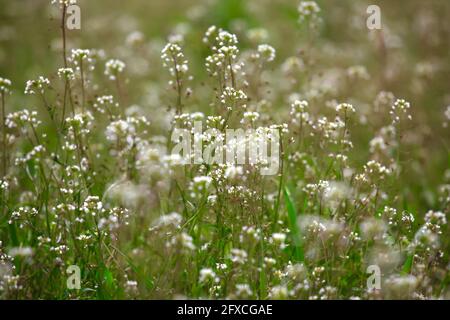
{"points": [[94, 203]]}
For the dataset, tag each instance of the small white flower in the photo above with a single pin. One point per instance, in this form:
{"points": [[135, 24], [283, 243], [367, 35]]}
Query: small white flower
{"points": [[113, 68]]}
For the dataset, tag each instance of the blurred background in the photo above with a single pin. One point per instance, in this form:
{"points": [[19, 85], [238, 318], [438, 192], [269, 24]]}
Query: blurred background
{"points": [[409, 57]]}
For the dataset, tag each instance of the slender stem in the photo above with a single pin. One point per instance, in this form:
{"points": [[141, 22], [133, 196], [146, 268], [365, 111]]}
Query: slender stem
{"points": [[119, 92], [233, 81], [280, 185], [4, 136], [64, 104], [82, 86], [179, 86], [63, 28]]}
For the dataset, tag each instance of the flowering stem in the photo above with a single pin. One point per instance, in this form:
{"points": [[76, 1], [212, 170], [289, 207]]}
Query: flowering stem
{"points": [[119, 92], [301, 130], [63, 28], [64, 104], [4, 136], [233, 81], [280, 184], [82, 85], [179, 86]]}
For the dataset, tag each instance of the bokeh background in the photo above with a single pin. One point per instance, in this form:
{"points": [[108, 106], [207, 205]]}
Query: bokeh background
{"points": [[412, 61]]}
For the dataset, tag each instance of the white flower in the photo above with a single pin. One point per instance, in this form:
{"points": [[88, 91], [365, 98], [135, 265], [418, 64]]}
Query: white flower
{"points": [[119, 129], [346, 107], [66, 73], [113, 68], [5, 85], [400, 109], [38, 85], [78, 55], [279, 292], [447, 111], [64, 2], [173, 59], [266, 52], [238, 256], [206, 275], [243, 290], [231, 98], [309, 12], [21, 252], [278, 239], [173, 219], [372, 228]]}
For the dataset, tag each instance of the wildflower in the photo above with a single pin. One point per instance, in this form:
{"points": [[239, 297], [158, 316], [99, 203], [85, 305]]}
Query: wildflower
{"points": [[38, 85], [299, 107], [5, 85], [120, 130], [257, 35], [327, 293], [434, 220], [372, 228], [279, 240], [207, 275], [377, 144], [250, 116], [21, 119], [309, 13], [374, 170], [4, 185], [383, 100], [186, 241], [21, 252], [317, 189], [173, 220], [243, 290], [336, 192], [199, 185], [222, 62], [135, 38], [296, 272], [238, 256], [268, 261], [131, 287], [266, 52], [113, 68], [92, 206], [400, 109], [426, 239], [66, 73], [83, 59], [279, 292], [346, 107], [358, 73], [78, 56], [400, 287], [35, 154], [386, 257], [173, 59], [398, 219], [232, 98], [64, 3], [292, 66]]}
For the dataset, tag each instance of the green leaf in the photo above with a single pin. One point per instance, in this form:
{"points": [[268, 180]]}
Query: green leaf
{"points": [[295, 233], [408, 264]]}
